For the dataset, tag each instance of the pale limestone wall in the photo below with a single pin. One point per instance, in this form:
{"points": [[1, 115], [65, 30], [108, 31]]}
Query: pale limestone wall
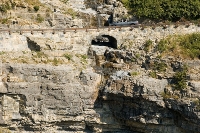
{"points": [[15, 41], [59, 97]]}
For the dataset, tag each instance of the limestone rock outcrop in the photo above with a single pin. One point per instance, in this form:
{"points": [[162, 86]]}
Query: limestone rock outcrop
{"points": [[57, 84], [57, 81], [36, 94]]}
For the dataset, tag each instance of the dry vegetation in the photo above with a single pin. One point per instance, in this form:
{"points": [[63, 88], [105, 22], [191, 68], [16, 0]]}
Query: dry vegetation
{"points": [[17, 10], [40, 57]]}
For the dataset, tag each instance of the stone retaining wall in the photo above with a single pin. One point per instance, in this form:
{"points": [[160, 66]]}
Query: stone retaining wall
{"points": [[17, 41]]}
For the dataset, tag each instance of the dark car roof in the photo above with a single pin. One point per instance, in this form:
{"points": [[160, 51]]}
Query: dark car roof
{"points": [[124, 23]]}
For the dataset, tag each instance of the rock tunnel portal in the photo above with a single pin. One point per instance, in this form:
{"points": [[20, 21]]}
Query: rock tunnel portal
{"points": [[105, 40]]}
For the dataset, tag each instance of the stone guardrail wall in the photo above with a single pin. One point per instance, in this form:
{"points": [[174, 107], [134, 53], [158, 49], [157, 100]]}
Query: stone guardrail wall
{"points": [[141, 26], [16, 39]]}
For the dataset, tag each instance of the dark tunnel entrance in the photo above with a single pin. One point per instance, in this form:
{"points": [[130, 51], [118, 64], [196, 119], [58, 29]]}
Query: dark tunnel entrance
{"points": [[105, 40]]}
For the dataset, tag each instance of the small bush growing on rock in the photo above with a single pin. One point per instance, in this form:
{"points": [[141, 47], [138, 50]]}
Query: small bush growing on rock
{"points": [[125, 2], [84, 57], [180, 79], [13, 4], [147, 45], [40, 54], [8, 6], [197, 103], [167, 95], [24, 61], [191, 45], [188, 46], [71, 12], [160, 66], [36, 8], [4, 21], [162, 46], [68, 56], [133, 73], [153, 74], [56, 61], [133, 60], [39, 18], [137, 56], [3, 8]]}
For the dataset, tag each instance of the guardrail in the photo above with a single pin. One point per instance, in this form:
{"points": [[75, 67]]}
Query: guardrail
{"points": [[64, 30]]}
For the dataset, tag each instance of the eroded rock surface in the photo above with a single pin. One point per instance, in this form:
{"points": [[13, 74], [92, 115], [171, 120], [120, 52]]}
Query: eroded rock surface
{"points": [[112, 93], [36, 94]]}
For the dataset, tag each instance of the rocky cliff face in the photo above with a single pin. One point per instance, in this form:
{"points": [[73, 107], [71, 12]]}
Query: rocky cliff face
{"points": [[36, 94], [146, 104], [61, 83], [101, 90], [18, 14]]}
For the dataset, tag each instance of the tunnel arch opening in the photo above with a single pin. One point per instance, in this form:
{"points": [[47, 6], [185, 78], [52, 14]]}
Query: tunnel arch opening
{"points": [[105, 40]]}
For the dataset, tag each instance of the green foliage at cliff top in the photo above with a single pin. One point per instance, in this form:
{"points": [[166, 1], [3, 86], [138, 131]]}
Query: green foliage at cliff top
{"points": [[164, 9]]}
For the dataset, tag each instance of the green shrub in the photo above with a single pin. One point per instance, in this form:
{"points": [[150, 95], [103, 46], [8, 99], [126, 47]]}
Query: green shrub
{"points": [[167, 95], [13, 4], [191, 45], [56, 61], [197, 103], [40, 54], [8, 6], [137, 56], [147, 45], [133, 73], [133, 60], [160, 66], [84, 57], [4, 21], [164, 9], [71, 12], [153, 74], [39, 18], [3, 8], [188, 46], [36, 8], [180, 79], [162, 45], [125, 2], [68, 56]]}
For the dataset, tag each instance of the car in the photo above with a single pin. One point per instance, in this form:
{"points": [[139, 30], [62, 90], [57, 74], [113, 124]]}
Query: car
{"points": [[122, 23], [126, 23]]}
